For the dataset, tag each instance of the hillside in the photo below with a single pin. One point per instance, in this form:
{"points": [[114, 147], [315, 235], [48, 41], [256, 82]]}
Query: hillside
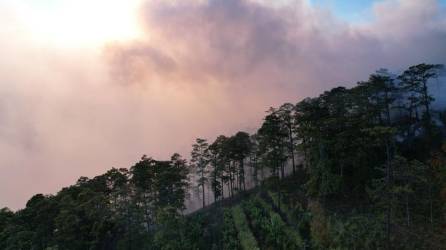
{"points": [[372, 176], [258, 219]]}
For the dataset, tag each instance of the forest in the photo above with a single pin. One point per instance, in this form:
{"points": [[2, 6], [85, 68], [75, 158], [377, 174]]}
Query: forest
{"points": [[367, 170]]}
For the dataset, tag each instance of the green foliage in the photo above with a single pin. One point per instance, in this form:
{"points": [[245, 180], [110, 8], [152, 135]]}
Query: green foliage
{"points": [[247, 240], [349, 232], [322, 181], [296, 214], [227, 161], [357, 232], [219, 161], [116, 210], [230, 239], [175, 232], [270, 226], [272, 142]]}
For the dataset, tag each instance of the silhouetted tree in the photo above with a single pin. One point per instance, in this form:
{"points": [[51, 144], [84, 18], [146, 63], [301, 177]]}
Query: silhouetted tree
{"points": [[200, 161]]}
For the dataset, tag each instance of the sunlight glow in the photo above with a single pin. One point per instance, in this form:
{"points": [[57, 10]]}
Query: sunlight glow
{"points": [[83, 23]]}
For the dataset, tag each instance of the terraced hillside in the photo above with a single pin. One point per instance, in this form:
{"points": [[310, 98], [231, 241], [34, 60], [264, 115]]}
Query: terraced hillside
{"points": [[257, 219], [280, 217]]}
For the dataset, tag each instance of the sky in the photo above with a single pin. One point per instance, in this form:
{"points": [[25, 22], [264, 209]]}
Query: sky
{"points": [[351, 11], [88, 85]]}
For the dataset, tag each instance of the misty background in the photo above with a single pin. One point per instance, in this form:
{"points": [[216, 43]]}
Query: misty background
{"points": [[198, 69]]}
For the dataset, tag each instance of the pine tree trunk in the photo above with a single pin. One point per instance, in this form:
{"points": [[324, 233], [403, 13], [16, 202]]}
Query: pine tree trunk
{"points": [[202, 177], [231, 183], [240, 171], [428, 112], [242, 175], [215, 192], [222, 187], [254, 175], [305, 153], [282, 170], [236, 181], [292, 150], [262, 173]]}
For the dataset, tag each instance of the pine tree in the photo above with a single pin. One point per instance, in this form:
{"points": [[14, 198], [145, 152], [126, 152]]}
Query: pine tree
{"points": [[200, 161]]}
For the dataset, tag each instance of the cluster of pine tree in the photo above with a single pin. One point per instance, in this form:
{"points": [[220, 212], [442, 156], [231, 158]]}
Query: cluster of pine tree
{"points": [[121, 209], [374, 152]]}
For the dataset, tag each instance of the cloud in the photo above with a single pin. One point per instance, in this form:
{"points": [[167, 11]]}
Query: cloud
{"points": [[300, 50], [200, 69]]}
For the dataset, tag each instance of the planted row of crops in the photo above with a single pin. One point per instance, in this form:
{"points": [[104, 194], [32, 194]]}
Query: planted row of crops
{"points": [[291, 214], [230, 235], [296, 215], [247, 239], [269, 227]]}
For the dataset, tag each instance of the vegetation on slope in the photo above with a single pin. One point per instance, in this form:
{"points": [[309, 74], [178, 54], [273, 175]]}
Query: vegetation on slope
{"points": [[269, 226], [245, 235], [373, 176]]}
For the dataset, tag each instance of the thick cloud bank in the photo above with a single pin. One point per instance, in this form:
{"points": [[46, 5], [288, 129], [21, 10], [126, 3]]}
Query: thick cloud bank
{"points": [[202, 68], [295, 49]]}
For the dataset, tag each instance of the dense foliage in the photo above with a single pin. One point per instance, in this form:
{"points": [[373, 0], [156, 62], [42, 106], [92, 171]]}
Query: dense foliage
{"points": [[121, 209]]}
